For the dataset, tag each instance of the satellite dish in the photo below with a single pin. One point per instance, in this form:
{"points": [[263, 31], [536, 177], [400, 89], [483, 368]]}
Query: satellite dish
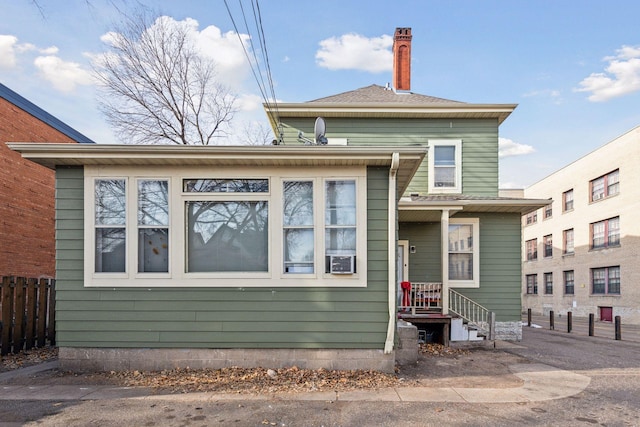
{"points": [[319, 129]]}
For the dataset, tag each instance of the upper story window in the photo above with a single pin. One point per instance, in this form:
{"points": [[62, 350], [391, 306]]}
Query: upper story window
{"points": [[275, 230], [548, 211], [464, 252], [548, 246], [567, 241], [567, 200], [445, 166], [532, 217], [532, 249], [605, 186], [605, 233]]}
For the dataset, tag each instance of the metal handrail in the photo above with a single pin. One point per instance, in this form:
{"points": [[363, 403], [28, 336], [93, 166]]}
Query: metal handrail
{"points": [[474, 313]]}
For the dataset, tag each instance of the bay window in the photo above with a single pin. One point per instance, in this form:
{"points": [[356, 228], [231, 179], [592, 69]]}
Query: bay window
{"points": [[274, 230]]}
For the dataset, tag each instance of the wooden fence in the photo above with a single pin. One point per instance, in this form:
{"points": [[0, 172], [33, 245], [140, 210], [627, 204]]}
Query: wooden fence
{"points": [[27, 313]]}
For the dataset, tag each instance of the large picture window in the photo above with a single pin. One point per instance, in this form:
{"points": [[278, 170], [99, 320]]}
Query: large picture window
{"points": [[445, 166], [196, 230], [463, 246]]}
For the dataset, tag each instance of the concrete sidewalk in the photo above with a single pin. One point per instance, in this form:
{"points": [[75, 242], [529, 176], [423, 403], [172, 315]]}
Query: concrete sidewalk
{"points": [[541, 382]]}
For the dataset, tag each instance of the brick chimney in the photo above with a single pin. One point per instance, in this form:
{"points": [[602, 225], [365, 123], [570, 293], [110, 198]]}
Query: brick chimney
{"points": [[402, 59]]}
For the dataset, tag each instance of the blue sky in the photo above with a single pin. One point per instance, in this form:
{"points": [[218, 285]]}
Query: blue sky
{"points": [[573, 67]]}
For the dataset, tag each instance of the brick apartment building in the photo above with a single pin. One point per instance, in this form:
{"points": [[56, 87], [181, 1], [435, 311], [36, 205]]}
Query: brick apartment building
{"points": [[27, 217], [581, 250]]}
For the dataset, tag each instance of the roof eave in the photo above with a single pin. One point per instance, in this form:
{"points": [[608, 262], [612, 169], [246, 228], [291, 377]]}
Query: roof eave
{"points": [[53, 155]]}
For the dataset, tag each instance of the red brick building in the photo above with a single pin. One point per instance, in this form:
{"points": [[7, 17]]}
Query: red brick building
{"points": [[27, 246]]}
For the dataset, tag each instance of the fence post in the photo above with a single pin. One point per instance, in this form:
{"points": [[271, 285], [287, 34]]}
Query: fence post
{"points": [[492, 326], [51, 306], [30, 338], [591, 324], [569, 322], [42, 312], [551, 324], [7, 309], [528, 317], [618, 328], [18, 326]]}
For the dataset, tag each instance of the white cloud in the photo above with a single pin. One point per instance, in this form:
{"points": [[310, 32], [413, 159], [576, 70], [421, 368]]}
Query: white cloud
{"points": [[7, 51], [554, 95], [621, 76], [64, 76], [225, 49], [356, 52], [509, 148]]}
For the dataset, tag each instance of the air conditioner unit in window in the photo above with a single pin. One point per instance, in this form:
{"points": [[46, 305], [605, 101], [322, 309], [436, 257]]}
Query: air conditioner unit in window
{"points": [[342, 264]]}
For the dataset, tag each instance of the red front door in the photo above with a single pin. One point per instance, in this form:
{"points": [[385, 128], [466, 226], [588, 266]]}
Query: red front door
{"points": [[606, 314]]}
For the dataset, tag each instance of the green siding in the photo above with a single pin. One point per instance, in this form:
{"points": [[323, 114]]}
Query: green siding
{"points": [[217, 317], [500, 263], [479, 144]]}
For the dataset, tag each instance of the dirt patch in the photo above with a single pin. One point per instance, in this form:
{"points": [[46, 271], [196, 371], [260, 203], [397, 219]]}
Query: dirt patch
{"points": [[437, 366]]}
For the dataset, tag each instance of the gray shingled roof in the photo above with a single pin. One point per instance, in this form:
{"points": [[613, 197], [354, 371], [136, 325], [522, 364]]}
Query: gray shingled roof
{"points": [[378, 94]]}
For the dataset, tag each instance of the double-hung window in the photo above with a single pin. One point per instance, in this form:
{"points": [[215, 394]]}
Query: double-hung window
{"points": [[567, 241], [239, 228], [569, 280], [605, 186], [567, 200], [605, 280], [548, 246], [532, 249], [532, 284], [298, 227], [110, 225], [548, 283], [464, 254], [532, 217], [548, 211], [445, 166], [605, 233]]}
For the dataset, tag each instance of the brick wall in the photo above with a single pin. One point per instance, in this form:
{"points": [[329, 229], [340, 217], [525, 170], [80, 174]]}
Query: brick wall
{"points": [[27, 246]]}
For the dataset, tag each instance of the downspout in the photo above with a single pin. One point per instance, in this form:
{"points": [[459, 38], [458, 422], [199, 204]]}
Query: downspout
{"points": [[391, 268], [444, 243]]}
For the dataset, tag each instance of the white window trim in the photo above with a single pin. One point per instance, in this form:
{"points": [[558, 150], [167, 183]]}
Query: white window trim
{"points": [[177, 275], [457, 143], [475, 283]]}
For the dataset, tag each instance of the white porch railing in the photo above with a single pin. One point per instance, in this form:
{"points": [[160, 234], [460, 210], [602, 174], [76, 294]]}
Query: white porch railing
{"points": [[418, 296], [475, 314]]}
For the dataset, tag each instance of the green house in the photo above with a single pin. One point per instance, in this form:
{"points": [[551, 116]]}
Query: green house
{"points": [[305, 252]]}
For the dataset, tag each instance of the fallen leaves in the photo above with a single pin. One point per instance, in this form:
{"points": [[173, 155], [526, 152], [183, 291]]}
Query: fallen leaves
{"points": [[253, 380], [440, 350], [28, 358]]}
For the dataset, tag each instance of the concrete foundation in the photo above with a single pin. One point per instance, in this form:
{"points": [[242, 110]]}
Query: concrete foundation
{"points": [[407, 352], [154, 359]]}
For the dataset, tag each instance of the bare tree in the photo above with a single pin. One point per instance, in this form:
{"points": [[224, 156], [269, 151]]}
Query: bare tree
{"points": [[157, 87], [257, 133]]}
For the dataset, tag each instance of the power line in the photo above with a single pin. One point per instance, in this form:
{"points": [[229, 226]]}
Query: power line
{"points": [[256, 69]]}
